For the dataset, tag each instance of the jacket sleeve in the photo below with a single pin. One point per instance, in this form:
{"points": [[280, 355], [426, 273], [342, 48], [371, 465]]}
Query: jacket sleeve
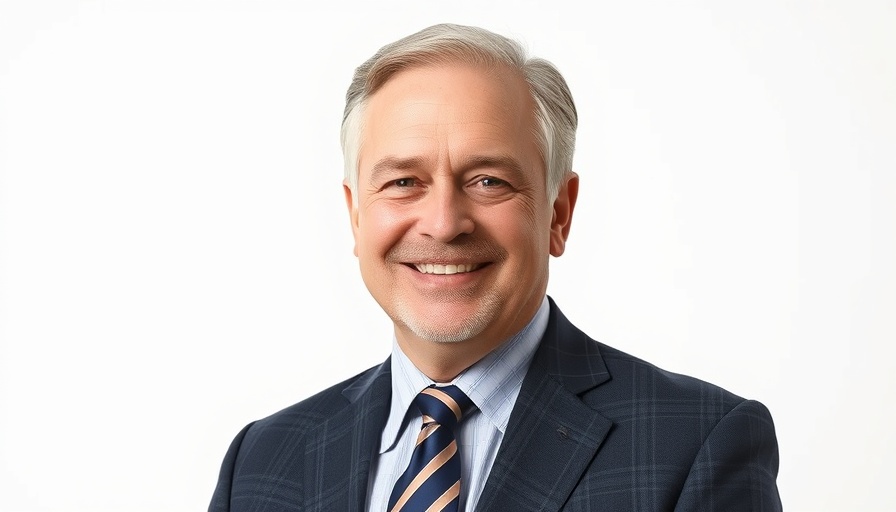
{"points": [[737, 466], [221, 497]]}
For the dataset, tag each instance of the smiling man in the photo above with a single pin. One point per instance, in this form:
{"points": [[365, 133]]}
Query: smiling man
{"points": [[452, 217], [459, 187]]}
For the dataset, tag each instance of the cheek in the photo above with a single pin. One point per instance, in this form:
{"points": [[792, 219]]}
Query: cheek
{"points": [[525, 227], [381, 227]]}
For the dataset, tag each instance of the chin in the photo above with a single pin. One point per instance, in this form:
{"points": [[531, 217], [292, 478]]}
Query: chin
{"points": [[440, 326]]}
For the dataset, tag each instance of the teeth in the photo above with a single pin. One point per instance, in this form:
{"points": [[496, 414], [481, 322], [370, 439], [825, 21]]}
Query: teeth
{"points": [[437, 268]]}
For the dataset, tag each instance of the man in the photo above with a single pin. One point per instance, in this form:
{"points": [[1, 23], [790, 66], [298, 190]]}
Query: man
{"points": [[458, 154]]}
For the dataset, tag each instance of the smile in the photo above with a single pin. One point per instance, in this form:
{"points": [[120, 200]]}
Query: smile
{"points": [[438, 268]]}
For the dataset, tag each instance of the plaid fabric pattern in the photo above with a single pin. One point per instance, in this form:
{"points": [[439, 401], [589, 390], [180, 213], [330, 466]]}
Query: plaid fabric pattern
{"points": [[592, 429]]}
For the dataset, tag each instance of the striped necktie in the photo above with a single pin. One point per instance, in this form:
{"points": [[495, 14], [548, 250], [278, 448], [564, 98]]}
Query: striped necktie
{"points": [[432, 481]]}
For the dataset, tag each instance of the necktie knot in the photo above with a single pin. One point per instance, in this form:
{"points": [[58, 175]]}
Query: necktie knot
{"points": [[444, 405]]}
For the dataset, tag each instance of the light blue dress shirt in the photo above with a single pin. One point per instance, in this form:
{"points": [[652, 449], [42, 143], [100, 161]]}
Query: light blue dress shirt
{"points": [[493, 384]]}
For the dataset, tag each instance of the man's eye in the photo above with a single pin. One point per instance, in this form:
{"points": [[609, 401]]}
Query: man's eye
{"points": [[404, 182], [492, 182]]}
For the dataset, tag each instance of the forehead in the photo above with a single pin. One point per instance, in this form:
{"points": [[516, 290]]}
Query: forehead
{"points": [[452, 106]]}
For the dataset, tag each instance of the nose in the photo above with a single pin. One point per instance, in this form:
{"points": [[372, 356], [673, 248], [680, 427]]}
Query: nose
{"points": [[445, 214]]}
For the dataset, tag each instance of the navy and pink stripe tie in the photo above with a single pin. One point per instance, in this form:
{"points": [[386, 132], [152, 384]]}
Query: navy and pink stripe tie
{"points": [[432, 481]]}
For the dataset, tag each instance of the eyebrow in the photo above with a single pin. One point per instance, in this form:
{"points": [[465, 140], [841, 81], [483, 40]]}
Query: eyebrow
{"points": [[505, 162], [393, 163]]}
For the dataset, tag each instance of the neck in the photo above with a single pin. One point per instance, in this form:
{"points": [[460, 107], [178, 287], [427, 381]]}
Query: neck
{"points": [[443, 361]]}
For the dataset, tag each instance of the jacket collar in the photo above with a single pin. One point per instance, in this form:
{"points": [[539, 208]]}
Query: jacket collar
{"points": [[553, 435], [340, 449]]}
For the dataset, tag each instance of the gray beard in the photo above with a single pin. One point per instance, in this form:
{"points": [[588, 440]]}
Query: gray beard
{"points": [[459, 330]]}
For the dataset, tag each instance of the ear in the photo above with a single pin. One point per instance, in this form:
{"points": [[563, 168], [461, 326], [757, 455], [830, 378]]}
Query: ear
{"points": [[563, 207], [352, 206]]}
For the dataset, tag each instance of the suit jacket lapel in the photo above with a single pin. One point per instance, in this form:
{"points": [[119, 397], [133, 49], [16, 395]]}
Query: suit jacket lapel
{"points": [[552, 435], [340, 450]]}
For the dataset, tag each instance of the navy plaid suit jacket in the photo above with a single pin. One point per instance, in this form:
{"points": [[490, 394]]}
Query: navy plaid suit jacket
{"points": [[593, 429]]}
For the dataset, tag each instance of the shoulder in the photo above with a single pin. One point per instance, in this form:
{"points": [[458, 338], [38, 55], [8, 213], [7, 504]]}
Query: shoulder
{"points": [[285, 433], [686, 419], [268, 457], [643, 380], [678, 435], [619, 383], [637, 395]]}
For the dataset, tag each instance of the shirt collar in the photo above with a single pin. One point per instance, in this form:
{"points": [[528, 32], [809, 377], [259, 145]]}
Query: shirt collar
{"points": [[493, 382]]}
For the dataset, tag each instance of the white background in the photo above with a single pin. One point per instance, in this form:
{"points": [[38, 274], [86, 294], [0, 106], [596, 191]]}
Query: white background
{"points": [[175, 256]]}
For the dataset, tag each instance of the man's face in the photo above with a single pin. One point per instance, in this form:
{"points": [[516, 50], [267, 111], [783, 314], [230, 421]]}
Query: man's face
{"points": [[452, 224]]}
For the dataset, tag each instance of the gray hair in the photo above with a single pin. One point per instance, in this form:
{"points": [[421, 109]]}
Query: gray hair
{"points": [[555, 112]]}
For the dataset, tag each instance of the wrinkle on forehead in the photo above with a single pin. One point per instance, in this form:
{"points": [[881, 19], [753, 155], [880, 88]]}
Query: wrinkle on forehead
{"points": [[413, 113]]}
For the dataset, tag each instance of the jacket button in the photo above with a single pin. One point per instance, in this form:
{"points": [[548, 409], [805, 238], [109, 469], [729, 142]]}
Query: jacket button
{"points": [[562, 433]]}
